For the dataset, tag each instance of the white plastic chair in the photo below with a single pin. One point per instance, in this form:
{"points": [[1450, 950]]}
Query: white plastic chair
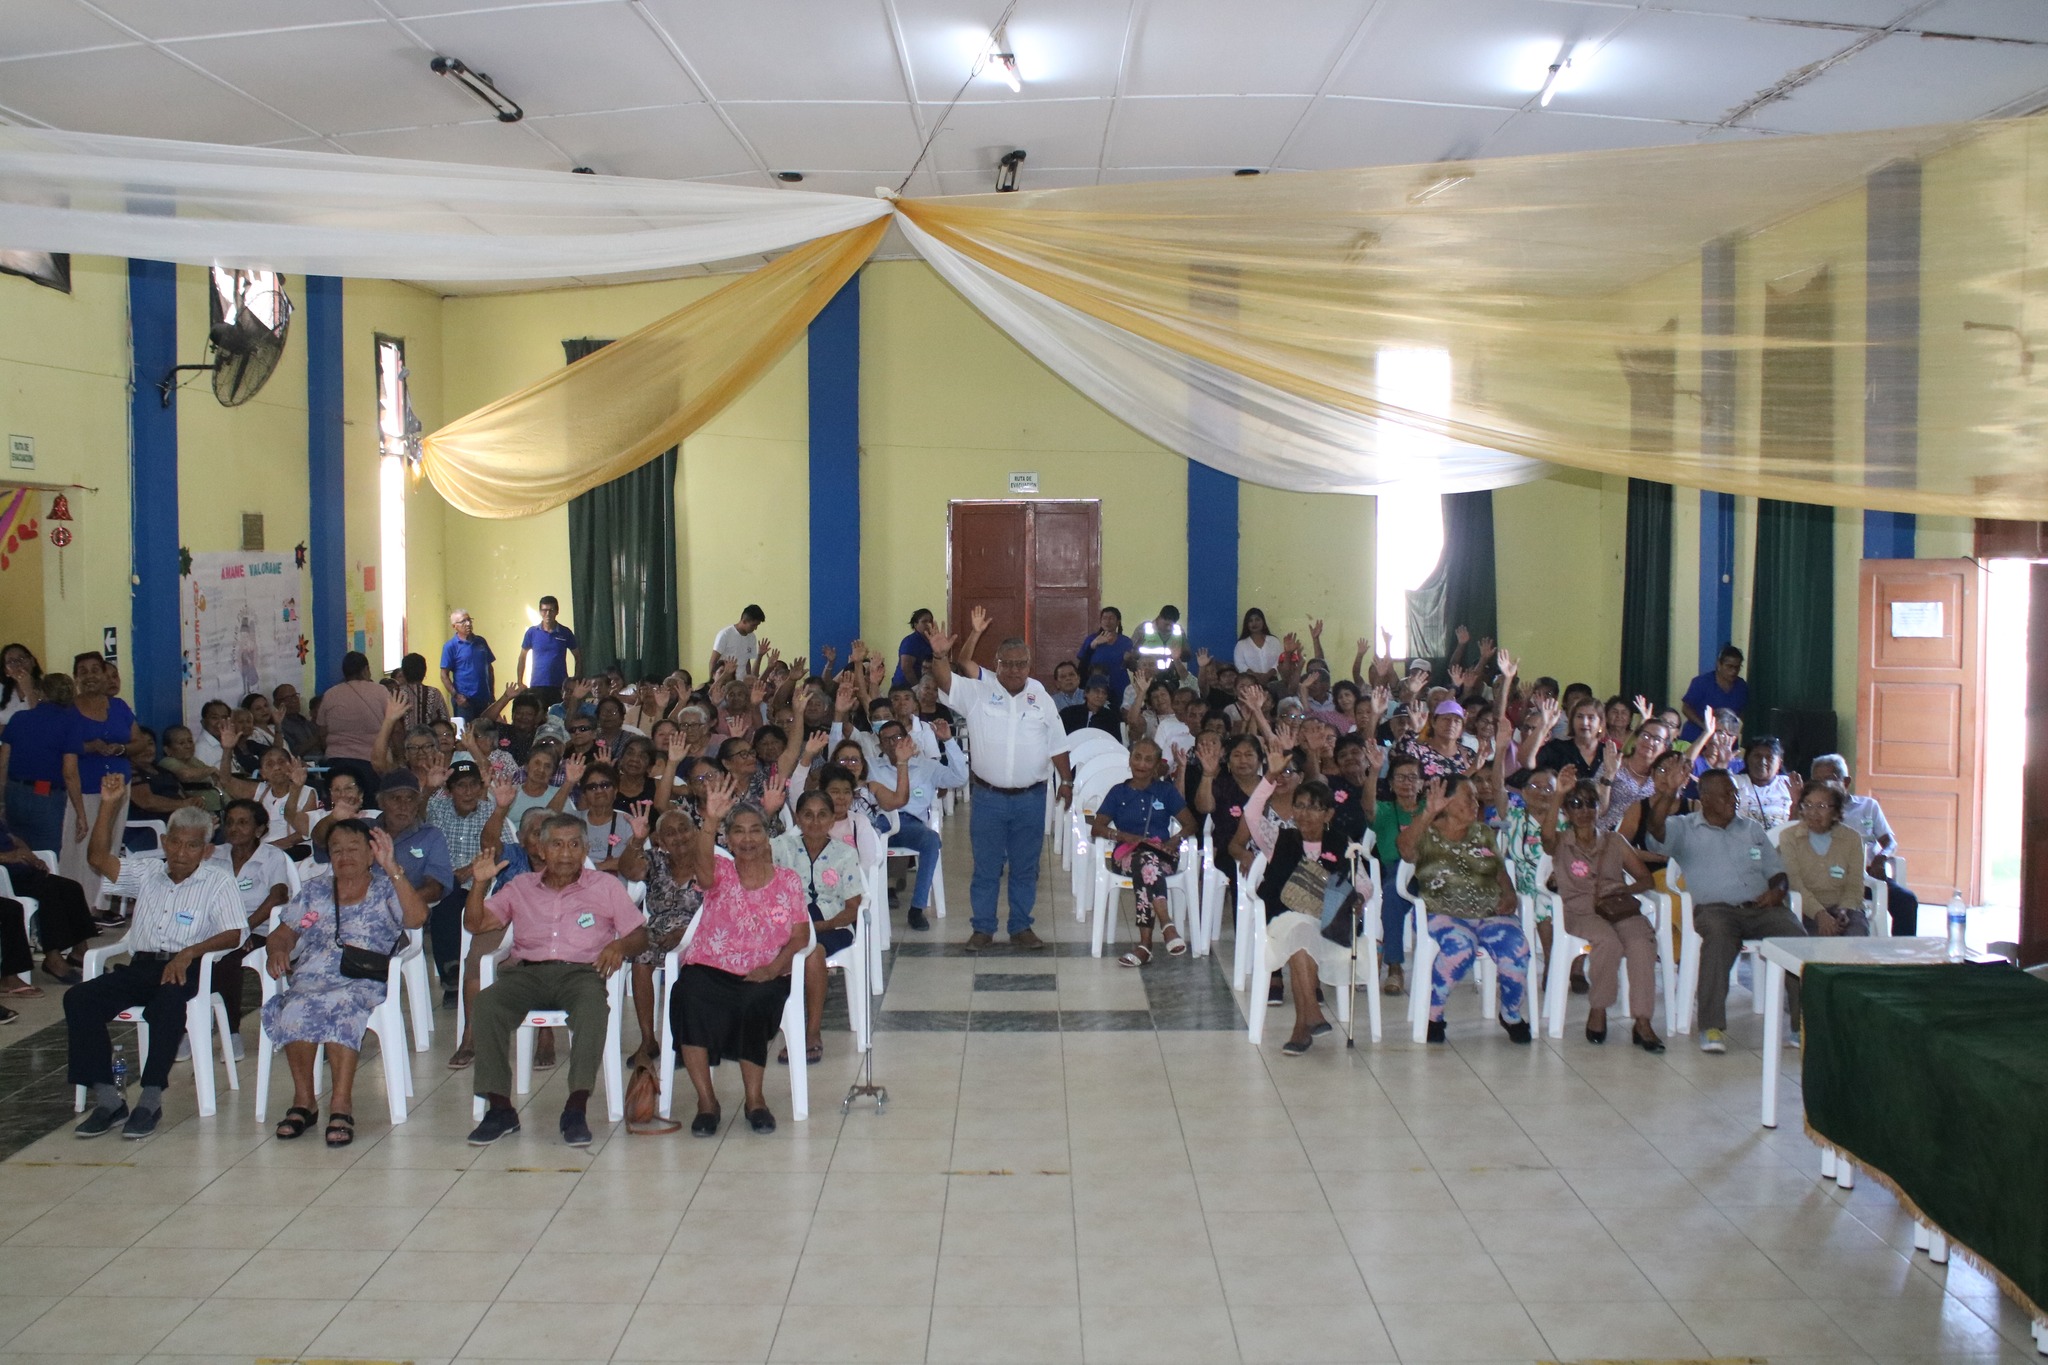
{"points": [[1362, 968], [1689, 963], [1564, 947], [1183, 884], [1090, 786], [612, 1067], [882, 934], [1250, 921], [1485, 972], [387, 1021], [205, 1013], [793, 1029], [31, 908]]}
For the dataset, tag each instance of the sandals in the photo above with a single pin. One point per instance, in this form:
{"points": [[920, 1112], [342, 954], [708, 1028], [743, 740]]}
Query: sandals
{"points": [[295, 1122], [26, 990], [341, 1129], [1136, 957], [813, 1054], [1176, 942], [462, 1058]]}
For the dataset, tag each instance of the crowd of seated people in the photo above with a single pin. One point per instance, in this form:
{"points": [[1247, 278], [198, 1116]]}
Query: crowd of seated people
{"points": [[592, 819]]}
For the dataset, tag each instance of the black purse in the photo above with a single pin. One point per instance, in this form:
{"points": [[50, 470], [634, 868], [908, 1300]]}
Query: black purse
{"points": [[364, 964]]}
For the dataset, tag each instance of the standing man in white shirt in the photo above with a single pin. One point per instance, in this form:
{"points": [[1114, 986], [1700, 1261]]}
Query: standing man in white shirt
{"points": [[1013, 731], [737, 643]]}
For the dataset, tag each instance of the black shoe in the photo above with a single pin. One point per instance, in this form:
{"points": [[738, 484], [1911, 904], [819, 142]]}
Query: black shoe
{"points": [[1652, 1044], [101, 1121], [1276, 992], [1596, 1036], [1321, 1027], [1518, 1032], [141, 1124], [761, 1121], [1436, 1031], [8, 1016], [449, 998], [705, 1125], [918, 921], [575, 1128], [1290, 1048], [497, 1123]]}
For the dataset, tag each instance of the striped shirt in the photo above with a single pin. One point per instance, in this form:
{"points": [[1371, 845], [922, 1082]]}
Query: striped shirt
{"points": [[173, 916]]}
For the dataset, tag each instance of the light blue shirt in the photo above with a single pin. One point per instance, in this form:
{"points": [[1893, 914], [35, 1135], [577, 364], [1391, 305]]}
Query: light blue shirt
{"points": [[928, 777]]}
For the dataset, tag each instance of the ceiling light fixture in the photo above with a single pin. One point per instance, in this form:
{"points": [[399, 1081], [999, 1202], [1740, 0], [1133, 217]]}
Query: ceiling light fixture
{"points": [[1443, 184], [478, 84], [1246, 170], [789, 177], [1550, 77], [1006, 171], [999, 62]]}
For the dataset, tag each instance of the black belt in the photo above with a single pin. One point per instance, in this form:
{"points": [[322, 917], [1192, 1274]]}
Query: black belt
{"points": [[1008, 791]]}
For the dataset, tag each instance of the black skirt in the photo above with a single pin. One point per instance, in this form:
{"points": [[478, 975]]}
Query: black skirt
{"points": [[727, 1015]]}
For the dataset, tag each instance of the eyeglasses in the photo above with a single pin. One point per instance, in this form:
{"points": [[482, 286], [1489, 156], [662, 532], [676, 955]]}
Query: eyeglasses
{"points": [[1579, 803], [598, 786], [583, 729]]}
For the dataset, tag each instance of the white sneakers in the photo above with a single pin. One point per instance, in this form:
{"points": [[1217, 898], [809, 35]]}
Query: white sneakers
{"points": [[1713, 1040]]}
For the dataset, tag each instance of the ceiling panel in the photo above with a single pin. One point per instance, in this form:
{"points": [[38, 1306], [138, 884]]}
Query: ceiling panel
{"points": [[1546, 132], [196, 18], [786, 49], [1991, 18], [1490, 52], [1343, 133], [808, 137], [1904, 81], [1688, 66], [350, 79], [1873, 12], [682, 142], [566, 61], [96, 92], [1132, 175], [420, 9], [38, 26], [479, 144], [1229, 47], [1065, 48], [1054, 132], [1208, 132]]}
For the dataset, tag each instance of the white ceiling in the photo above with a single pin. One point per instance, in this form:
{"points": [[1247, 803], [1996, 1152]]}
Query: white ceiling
{"points": [[848, 91]]}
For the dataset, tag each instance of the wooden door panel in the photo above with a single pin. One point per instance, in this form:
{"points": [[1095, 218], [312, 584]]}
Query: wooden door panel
{"points": [[1035, 566], [1065, 552], [990, 551], [1919, 714]]}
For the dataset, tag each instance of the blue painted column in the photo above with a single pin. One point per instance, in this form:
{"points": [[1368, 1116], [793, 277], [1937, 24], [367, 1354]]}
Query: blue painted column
{"points": [[1212, 560], [1891, 332], [1717, 438], [326, 478], [835, 469], [151, 671]]}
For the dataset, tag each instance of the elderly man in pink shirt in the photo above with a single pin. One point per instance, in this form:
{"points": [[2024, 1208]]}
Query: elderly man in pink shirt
{"points": [[571, 928]]}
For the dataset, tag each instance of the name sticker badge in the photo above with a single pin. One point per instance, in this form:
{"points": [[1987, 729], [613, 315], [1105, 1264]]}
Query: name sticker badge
{"points": [[249, 884], [419, 853], [1756, 855], [586, 920], [1835, 872]]}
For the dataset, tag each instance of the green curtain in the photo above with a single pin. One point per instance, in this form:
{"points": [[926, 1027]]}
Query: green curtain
{"points": [[1792, 622], [622, 563], [1460, 591], [1646, 577]]}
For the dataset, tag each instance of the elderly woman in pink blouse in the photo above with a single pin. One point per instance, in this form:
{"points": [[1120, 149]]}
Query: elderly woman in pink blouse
{"points": [[736, 970]]}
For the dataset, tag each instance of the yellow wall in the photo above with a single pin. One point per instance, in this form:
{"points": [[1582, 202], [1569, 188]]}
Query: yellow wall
{"points": [[64, 381], [1557, 546], [1308, 555]]}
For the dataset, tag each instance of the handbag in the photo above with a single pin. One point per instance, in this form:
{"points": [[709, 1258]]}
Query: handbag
{"points": [[643, 1105], [1304, 888], [364, 964]]}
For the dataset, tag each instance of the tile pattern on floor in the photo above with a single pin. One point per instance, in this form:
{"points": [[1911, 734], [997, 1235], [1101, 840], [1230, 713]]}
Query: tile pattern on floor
{"points": [[1118, 1178]]}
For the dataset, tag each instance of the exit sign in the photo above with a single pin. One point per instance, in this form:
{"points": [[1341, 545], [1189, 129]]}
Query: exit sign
{"points": [[21, 452], [1024, 481]]}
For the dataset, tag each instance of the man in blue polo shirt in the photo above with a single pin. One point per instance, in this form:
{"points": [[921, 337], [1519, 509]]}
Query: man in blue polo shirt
{"points": [[468, 668], [552, 647]]}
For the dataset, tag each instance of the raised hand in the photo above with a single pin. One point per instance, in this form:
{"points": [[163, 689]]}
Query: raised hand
{"points": [[113, 789], [978, 619], [831, 653], [437, 775], [394, 709], [903, 750], [295, 772], [504, 790], [384, 855], [1610, 756], [636, 819], [1487, 648], [1315, 628], [942, 639], [719, 793], [1508, 666], [1284, 736], [572, 769], [1201, 658], [1642, 706], [347, 807], [485, 869], [735, 727], [1290, 643], [860, 652], [942, 730], [774, 793], [757, 691], [1464, 636], [1434, 799], [677, 747], [801, 665], [1382, 701], [815, 746], [1386, 642], [1209, 753]]}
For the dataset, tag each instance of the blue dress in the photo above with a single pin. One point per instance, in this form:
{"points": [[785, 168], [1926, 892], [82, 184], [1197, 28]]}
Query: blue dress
{"points": [[319, 1004]]}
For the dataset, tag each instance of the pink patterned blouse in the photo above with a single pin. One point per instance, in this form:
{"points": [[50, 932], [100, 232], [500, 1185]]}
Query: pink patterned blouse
{"points": [[740, 931]]}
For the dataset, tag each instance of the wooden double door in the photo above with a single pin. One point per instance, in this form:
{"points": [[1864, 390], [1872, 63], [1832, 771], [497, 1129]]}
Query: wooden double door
{"points": [[1035, 565]]}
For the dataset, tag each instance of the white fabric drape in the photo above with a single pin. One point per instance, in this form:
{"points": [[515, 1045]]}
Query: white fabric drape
{"points": [[1225, 420], [324, 213]]}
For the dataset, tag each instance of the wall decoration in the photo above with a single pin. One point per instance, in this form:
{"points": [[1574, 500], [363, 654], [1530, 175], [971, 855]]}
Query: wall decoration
{"points": [[242, 627]]}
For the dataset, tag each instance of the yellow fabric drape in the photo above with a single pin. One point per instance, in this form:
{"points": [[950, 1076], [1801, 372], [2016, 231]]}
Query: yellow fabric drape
{"points": [[620, 407], [1538, 274]]}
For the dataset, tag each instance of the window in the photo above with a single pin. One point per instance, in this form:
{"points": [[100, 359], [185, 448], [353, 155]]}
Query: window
{"points": [[398, 443], [1409, 531]]}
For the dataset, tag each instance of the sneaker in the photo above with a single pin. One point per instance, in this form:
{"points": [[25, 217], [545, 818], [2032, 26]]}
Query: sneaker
{"points": [[497, 1123], [100, 1121], [918, 921], [185, 1048], [8, 1016], [1792, 1040], [448, 999], [1028, 940], [1290, 1048], [575, 1127], [1276, 992], [141, 1124], [977, 940], [1713, 1040], [235, 1046], [1397, 983], [1437, 1032]]}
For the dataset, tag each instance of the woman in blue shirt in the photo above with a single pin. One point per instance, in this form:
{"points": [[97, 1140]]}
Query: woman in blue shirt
{"points": [[102, 728], [1724, 689], [914, 655], [32, 760], [1146, 820]]}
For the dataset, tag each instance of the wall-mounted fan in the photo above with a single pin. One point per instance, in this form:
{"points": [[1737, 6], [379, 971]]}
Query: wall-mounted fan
{"points": [[251, 316]]}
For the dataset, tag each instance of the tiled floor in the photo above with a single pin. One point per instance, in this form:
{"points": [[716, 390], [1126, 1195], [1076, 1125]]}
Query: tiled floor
{"points": [[1078, 1163]]}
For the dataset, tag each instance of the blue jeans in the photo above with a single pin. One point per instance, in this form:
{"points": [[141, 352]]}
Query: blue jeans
{"points": [[37, 821], [921, 839], [1006, 829], [1395, 913]]}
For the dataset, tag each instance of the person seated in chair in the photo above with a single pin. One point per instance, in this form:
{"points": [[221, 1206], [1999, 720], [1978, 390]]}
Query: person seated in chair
{"points": [[366, 905], [1598, 877], [572, 927], [185, 907], [1737, 884], [1310, 911], [1824, 857], [1866, 817], [1094, 711], [63, 922], [1146, 821], [1470, 893], [919, 779], [829, 874]]}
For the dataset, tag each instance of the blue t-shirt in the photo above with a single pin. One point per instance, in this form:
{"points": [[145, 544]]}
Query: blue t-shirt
{"points": [[469, 660], [1147, 810], [1706, 695], [918, 648], [117, 728], [550, 650], [35, 741], [423, 855], [1108, 659]]}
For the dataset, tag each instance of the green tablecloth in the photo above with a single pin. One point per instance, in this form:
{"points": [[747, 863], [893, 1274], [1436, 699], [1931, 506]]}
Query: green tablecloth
{"points": [[1936, 1080]]}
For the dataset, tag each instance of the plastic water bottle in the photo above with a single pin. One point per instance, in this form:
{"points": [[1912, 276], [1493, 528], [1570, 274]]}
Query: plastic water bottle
{"points": [[120, 1069], [1958, 922]]}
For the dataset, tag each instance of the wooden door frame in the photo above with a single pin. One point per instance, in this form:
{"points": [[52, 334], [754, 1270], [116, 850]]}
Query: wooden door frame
{"points": [[1030, 555]]}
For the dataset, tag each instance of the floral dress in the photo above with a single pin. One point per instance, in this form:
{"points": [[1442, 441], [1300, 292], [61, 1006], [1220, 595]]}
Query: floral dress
{"points": [[670, 907], [1457, 763], [319, 1004]]}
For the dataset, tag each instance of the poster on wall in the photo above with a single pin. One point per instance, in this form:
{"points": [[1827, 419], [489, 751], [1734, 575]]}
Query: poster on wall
{"points": [[243, 629]]}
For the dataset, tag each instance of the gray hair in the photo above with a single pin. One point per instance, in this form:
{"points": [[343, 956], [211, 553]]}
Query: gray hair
{"points": [[1014, 642], [1841, 764], [457, 615], [568, 822], [530, 821], [190, 818]]}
